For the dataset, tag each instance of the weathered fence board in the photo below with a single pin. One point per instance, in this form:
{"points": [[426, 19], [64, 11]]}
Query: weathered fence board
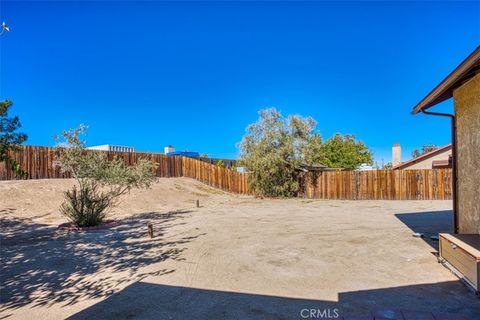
{"points": [[426, 184], [435, 184], [39, 163], [215, 176]]}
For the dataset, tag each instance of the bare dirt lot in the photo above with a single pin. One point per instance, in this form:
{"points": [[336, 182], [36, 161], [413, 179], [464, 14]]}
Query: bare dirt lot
{"points": [[235, 257]]}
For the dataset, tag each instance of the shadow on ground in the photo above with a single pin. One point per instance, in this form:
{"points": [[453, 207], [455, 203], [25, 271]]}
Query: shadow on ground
{"points": [[43, 265], [155, 301], [429, 223]]}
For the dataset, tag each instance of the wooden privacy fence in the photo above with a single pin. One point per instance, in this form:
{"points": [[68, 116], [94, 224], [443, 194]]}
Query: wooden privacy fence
{"points": [[427, 184], [214, 176], [431, 184], [40, 163]]}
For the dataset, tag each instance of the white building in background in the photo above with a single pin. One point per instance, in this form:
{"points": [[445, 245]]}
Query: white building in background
{"points": [[365, 167], [109, 147], [168, 149]]}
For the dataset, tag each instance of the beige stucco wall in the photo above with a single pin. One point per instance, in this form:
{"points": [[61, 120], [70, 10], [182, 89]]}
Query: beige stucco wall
{"points": [[467, 111], [427, 163]]}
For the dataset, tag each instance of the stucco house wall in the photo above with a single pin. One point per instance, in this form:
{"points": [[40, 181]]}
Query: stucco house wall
{"points": [[467, 112], [428, 163]]}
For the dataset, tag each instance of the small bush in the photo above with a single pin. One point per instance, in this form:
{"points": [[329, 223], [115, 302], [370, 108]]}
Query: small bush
{"points": [[85, 206], [99, 182]]}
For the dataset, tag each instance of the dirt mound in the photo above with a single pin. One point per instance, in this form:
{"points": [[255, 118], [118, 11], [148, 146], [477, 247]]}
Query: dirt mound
{"points": [[39, 200]]}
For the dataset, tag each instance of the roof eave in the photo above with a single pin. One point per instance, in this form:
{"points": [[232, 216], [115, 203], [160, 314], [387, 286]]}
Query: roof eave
{"points": [[444, 90]]}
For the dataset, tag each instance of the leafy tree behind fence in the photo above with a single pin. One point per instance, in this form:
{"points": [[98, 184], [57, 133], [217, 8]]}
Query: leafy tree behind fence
{"points": [[275, 147], [10, 139]]}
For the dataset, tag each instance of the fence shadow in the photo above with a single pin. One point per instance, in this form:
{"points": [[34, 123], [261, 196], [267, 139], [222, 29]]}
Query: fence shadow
{"points": [[157, 301], [43, 265], [429, 223]]}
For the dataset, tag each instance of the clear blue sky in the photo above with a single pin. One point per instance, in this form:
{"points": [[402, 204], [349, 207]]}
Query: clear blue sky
{"points": [[194, 74]]}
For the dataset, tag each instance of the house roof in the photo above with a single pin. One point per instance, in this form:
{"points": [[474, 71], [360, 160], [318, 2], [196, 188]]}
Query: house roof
{"points": [[315, 167], [466, 70], [423, 157]]}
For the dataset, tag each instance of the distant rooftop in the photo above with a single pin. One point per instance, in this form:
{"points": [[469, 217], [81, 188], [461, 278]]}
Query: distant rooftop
{"points": [[190, 154], [423, 157], [109, 147]]}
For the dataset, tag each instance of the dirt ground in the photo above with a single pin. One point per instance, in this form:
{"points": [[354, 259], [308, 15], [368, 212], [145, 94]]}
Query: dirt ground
{"points": [[235, 257]]}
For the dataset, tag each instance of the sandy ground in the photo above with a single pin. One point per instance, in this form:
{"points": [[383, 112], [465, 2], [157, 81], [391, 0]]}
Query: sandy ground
{"points": [[235, 257]]}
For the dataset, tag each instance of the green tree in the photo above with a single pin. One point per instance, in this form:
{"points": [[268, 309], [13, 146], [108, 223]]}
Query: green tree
{"points": [[425, 149], [9, 138], [99, 182], [274, 147], [312, 152], [344, 151]]}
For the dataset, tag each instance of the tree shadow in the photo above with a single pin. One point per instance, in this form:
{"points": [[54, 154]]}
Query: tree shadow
{"points": [[143, 300], [429, 223], [43, 265], [7, 211]]}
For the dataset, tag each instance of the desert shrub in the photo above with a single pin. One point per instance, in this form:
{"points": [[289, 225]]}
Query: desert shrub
{"points": [[86, 205], [99, 182], [274, 147]]}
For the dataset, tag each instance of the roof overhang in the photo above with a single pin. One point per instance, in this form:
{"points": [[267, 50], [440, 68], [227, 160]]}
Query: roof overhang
{"points": [[465, 71]]}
